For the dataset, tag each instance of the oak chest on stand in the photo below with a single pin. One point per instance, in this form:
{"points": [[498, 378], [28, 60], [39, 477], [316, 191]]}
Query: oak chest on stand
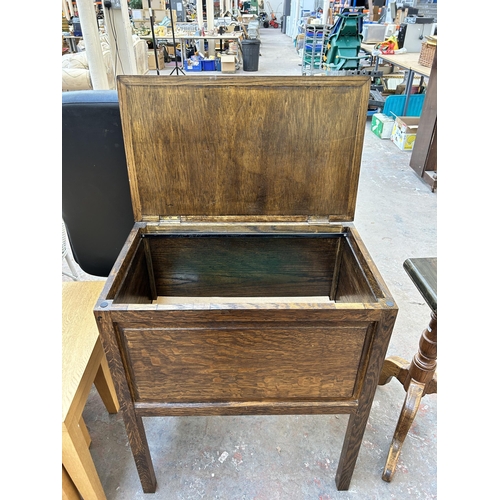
{"points": [[244, 287]]}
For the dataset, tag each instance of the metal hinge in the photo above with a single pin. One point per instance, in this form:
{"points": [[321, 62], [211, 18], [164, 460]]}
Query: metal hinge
{"points": [[154, 221], [169, 219], [318, 219]]}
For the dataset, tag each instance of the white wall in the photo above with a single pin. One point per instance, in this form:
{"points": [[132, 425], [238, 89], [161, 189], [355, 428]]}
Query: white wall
{"points": [[277, 6], [296, 8]]}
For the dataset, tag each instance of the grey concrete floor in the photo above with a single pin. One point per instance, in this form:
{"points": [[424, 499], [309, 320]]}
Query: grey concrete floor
{"points": [[295, 457]]}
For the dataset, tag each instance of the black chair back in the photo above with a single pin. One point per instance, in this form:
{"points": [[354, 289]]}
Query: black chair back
{"points": [[96, 202]]}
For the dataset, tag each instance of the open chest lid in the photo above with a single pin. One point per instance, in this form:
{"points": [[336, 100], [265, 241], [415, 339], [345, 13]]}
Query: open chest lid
{"points": [[273, 147]]}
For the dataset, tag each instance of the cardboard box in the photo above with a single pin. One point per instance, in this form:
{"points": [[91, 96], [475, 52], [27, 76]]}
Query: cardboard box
{"points": [[162, 14], [382, 125], [404, 132], [152, 60], [158, 15], [228, 64], [155, 4]]}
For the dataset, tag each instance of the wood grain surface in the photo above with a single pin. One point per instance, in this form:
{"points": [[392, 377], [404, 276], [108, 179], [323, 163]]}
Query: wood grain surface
{"points": [[79, 335], [244, 188], [243, 146], [195, 264], [244, 363]]}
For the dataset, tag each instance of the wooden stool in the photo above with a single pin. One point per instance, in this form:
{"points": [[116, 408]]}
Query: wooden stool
{"points": [[83, 363], [418, 377]]}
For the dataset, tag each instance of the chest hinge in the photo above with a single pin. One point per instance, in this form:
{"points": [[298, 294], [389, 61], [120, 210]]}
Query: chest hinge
{"points": [[162, 220], [166, 220], [318, 219]]}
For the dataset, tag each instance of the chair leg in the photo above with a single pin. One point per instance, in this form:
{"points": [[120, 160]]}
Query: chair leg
{"points": [[105, 387], [393, 367], [69, 491], [85, 431], [78, 462], [412, 402]]}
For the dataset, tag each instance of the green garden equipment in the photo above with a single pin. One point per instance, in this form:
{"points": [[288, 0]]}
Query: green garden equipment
{"points": [[344, 42]]}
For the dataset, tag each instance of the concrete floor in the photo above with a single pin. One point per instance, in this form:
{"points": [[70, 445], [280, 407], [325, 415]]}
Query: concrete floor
{"points": [[295, 457]]}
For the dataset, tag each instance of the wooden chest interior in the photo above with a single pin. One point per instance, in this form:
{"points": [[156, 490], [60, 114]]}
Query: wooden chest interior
{"points": [[244, 288], [260, 266]]}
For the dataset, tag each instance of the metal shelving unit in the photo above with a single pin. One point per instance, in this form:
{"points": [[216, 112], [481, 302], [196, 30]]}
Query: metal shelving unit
{"points": [[312, 54]]}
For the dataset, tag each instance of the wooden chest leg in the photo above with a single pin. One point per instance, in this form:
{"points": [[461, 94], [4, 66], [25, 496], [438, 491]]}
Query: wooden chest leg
{"points": [[350, 450], [133, 423], [357, 421], [140, 450]]}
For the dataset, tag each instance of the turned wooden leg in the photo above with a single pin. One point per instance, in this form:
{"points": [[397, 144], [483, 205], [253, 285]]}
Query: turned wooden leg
{"points": [[410, 407], [424, 363], [418, 378], [393, 367]]}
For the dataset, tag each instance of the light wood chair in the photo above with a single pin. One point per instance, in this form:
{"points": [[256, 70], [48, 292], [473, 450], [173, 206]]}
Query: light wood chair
{"points": [[83, 364]]}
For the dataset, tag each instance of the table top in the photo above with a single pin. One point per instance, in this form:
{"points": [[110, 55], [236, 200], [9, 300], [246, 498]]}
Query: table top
{"points": [[423, 273], [409, 60], [79, 335]]}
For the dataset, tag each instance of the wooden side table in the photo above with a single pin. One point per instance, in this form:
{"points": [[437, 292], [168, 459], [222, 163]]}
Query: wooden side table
{"points": [[83, 364], [418, 377]]}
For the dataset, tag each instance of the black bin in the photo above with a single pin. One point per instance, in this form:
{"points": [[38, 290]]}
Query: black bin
{"points": [[251, 50], [77, 29]]}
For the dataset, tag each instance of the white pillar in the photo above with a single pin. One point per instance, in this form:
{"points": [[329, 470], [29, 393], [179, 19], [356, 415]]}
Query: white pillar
{"points": [[326, 8], [210, 25], [95, 58], [119, 31], [67, 15], [210, 14], [70, 5], [199, 13]]}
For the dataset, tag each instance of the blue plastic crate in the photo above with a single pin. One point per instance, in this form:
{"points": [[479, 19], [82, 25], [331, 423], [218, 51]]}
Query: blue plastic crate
{"points": [[394, 105], [208, 65], [193, 67], [317, 48], [314, 34]]}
